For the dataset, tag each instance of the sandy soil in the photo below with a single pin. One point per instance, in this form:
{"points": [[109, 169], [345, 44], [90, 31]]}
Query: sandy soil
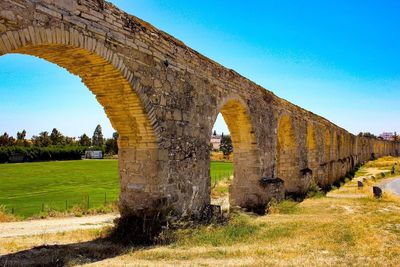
{"points": [[57, 225], [375, 171]]}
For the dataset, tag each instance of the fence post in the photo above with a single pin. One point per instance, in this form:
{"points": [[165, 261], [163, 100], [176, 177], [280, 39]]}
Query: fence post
{"points": [[42, 207], [88, 203], [66, 205], [105, 198], [12, 210]]}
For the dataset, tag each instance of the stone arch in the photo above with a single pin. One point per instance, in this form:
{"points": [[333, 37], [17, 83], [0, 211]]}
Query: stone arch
{"points": [[335, 146], [288, 168], [342, 161], [326, 164], [336, 165], [244, 190], [312, 150], [116, 89], [327, 146]]}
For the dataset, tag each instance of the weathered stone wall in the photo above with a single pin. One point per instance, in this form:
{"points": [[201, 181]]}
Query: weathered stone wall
{"points": [[163, 99]]}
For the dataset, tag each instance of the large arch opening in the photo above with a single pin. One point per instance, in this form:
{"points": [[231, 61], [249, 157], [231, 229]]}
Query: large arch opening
{"points": [[115, 88], [49, 122], [244, 186]]}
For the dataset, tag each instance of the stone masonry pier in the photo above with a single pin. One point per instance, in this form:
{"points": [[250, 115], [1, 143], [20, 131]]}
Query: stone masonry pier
{"points": [[163, 99]]}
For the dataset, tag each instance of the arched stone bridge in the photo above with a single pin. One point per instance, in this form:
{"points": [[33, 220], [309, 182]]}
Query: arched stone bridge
{"points": [[163, 98]]}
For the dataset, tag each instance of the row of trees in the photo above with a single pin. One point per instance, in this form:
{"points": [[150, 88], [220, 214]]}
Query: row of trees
{"points": [[56, 138], [395, 137]]}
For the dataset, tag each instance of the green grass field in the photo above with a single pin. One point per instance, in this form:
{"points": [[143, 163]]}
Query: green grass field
{"points": [[220, 170], [27, 188]]}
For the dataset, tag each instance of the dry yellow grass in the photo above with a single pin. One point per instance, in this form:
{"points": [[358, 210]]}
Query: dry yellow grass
{"points": [[383, 163], [5, 216], [322, 231], [219, 156], [319, 232], [370, 174]]}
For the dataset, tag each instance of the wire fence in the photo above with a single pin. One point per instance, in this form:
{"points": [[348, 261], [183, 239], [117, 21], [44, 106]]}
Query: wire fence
{"points": [[81, 202]]}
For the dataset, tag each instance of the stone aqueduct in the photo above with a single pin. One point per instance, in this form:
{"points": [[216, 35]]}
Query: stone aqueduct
{"points": [[163, 98]]}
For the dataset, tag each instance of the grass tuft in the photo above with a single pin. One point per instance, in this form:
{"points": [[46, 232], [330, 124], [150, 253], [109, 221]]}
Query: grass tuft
{"points": [[240, 229], [287, 206], [5, 216]]}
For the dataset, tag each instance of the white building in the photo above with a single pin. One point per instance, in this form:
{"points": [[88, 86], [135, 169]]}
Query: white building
{"points": [[387, 136], [215, 141]]}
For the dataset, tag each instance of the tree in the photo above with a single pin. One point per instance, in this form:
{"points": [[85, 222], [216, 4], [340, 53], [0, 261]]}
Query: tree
{"points": [[367, 134], [4, 139], [115, 138], [112, 145], [21, 135], [43, 140], [395, 137], [21, 139], [226, 145], [57, 138], [84, 140], [11, 141], [70, 140], [97, 139]]}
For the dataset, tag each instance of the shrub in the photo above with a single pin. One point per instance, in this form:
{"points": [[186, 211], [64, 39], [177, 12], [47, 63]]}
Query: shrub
{"points": [[314, 190], [42, 153]]}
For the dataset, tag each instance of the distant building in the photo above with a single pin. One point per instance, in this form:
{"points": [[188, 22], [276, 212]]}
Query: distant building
{"points": [[387, 136], [215, 141]]}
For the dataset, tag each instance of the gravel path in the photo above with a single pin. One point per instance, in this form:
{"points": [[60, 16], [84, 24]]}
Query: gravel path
{"points": [[346, 195], [38, 227], [392, 184]]}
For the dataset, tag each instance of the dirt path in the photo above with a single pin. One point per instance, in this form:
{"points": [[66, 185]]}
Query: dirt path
{"points": [[392, 184], [375, 171], [38, 227]]}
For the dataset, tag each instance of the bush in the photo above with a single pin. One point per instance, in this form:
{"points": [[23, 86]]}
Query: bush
{"points": [[287, 206], [50, 153], [314, 191]]}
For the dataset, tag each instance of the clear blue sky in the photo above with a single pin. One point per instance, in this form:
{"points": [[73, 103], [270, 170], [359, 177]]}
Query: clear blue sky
{"points": [[338, 59]]}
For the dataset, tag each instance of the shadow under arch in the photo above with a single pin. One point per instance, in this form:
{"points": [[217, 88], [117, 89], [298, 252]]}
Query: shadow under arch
{"points": [[106, 76], [244, 191]]}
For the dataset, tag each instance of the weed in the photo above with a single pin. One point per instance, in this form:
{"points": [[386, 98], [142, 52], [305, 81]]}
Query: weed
{"points": [[5, 216], [345, 236], [275, 232], [238, 230], [287, 206], [314, 191]]}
